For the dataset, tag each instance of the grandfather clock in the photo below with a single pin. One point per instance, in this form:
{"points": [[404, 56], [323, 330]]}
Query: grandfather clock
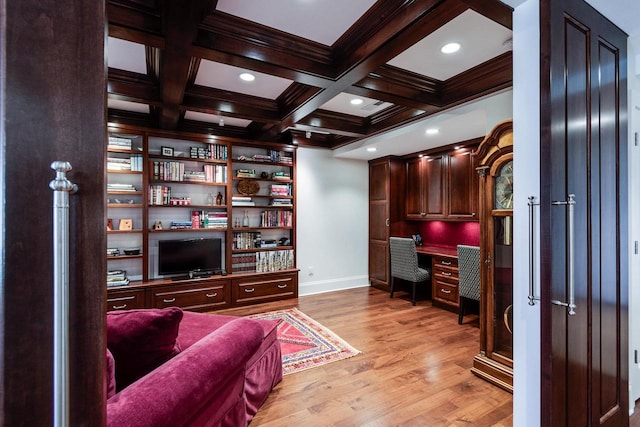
{"points": [[495, 167]]}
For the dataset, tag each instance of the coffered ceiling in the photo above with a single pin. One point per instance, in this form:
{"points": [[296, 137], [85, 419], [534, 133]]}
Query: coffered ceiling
{"points": [[176, 65]]}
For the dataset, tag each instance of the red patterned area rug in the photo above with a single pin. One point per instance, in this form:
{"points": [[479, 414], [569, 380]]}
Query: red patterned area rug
{"points": [[305, 343]]}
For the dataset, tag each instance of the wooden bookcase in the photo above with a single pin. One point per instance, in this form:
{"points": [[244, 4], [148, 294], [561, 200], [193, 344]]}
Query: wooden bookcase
{"points": [[175, 186]]}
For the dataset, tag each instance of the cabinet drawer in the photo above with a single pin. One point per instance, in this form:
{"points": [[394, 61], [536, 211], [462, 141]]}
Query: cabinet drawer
{"points": [[444, 275], [252, 290], [125, 300], [200, 296], [445, 262], [445, 291]]}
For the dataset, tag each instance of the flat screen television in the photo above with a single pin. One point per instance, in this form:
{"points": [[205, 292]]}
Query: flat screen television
{"points": [[190, 256]]}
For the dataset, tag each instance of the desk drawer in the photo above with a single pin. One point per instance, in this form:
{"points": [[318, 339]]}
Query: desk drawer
{"points": [[202, 296], [125, 300], [445, 291]]}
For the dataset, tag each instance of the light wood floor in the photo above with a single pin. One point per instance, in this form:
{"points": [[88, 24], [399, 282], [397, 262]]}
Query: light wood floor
{"points": [[413, 370]]}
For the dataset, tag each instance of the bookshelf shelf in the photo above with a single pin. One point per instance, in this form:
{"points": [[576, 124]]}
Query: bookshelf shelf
{"points": [[123, 257], [189, 230], [135, 231], [124, 172], [213, 184], [128, 193], [195, 207], [124, 205], [275, 248]]}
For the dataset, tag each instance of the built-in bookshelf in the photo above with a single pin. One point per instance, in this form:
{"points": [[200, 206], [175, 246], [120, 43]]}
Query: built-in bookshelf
{"points": [[172, 186], [263, 211]]}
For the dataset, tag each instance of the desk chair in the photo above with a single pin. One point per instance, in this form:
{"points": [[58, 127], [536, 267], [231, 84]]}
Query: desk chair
{"points": [[469, 276], [404, 264]]}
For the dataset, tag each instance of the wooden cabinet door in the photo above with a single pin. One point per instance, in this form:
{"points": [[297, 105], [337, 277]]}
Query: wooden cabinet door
{"points": [[434, 184], [462, 186], [415, 196], [583, 154]]}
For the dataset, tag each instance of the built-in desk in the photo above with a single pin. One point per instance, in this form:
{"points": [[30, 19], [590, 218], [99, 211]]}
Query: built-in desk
{"points": [[444, 275]]}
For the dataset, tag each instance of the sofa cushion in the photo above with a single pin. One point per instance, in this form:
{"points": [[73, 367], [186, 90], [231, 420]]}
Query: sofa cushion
{"points": [[110, 375], [141, 340]]}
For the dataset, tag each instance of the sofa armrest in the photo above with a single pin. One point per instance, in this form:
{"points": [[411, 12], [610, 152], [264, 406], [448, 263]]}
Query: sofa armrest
{"points": [[180, 389]]}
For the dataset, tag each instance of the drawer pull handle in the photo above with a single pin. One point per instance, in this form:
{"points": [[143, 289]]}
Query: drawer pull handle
{"points": [[282, 286], [445, 262], [213, 295], [166, 301], [444, 273], [249, 290], [445, 291], [119, 307]]}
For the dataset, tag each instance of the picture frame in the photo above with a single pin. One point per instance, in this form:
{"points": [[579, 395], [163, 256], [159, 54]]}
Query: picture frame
{"points": [[167, 151], [125, 224]]}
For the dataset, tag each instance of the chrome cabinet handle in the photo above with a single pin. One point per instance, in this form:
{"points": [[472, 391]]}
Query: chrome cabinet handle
{"points": [[532, 246], [423, 214], [571, 305], [282, 286], [213, 295], [119, 307], [445, 291], [61, 187], [386, 222], [249, 290], [445, 262], [444, 273], [166, 301]]}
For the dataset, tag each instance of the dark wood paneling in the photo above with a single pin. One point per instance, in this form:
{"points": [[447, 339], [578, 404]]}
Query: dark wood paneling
{"points": [[52, 108], [434, 191], [415, 208]]}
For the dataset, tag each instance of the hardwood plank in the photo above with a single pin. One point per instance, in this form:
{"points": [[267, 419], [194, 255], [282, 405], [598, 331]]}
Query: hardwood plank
{"points": [[414, 369]]}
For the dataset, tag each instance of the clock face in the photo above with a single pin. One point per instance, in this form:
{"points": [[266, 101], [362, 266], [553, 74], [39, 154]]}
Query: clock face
{"points": [[504, 187]]}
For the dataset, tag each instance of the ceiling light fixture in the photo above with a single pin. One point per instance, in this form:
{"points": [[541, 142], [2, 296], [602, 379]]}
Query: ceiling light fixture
{"points": [[432, 131], [372, 149], [356, 101], [308, 134], [247, 77], [450, 48]]}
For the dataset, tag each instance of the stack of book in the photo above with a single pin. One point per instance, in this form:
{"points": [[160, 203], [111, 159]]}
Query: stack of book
{"points": [[281, 202], [193, 176], [181, 225], [242, 201], [119, 143], [246, 240], [276, 219], [117, 278], [120, 187], [215, 173], [261, 158], [159, 195], [274, 261], [211, 151], [284, 176], [208, 219], [246, 173], [280, 190], [118, 164], [243, 262]]}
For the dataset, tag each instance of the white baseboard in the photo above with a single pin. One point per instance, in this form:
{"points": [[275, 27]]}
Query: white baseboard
{"points": [[322, 286]]}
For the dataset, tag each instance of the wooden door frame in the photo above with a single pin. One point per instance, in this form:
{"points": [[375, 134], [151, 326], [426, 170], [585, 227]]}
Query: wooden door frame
{"points": [[52, 107]]}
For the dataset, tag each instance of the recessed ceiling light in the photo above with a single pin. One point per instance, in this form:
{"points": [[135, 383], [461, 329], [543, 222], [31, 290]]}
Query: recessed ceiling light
{"points": [[450, 48], [433, 131], [372, 149], [356, 101], [247, 77]]}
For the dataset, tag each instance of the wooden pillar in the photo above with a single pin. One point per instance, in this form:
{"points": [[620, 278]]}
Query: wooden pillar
{"points": [[52, 107]]}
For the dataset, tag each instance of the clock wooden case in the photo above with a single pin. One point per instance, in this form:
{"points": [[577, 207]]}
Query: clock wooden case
{"points": [[495, 167]]}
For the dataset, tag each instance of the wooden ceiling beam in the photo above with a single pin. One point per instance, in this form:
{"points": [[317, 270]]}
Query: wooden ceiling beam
{"points": [[488, 77], [430, 20], [216, 101], [181, 21], [135, 23], [134, 87]]}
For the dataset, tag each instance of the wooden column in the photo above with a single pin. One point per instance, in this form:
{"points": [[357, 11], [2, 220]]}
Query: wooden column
{"points": [[52, 107]]}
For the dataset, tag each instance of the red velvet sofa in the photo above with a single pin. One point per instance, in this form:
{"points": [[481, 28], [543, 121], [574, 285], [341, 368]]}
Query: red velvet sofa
{"points": [[216, 371]]}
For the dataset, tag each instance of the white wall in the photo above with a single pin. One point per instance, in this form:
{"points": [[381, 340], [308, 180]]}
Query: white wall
{"points": [[634, 213], [526, 158], [332, 222]]}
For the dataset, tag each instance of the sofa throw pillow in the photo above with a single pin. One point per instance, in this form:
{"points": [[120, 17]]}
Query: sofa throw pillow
{"points": [[110, 375], [141, 340]]}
